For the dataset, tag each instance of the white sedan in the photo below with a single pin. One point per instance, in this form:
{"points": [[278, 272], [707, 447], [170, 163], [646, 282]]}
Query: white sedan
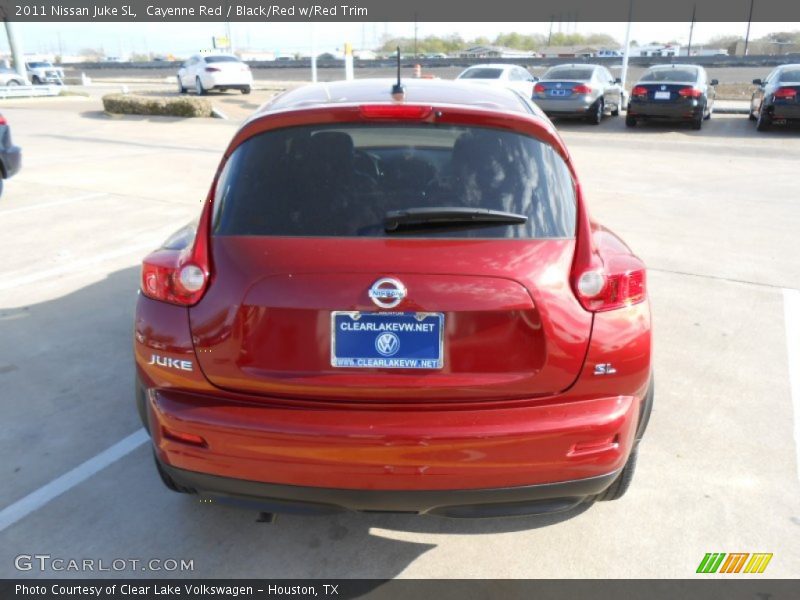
{"points": [[222, 72], [509, 76]]}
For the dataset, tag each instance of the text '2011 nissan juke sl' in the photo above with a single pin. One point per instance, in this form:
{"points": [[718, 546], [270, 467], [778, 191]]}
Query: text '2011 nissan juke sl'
{"points": [[395, 302]]}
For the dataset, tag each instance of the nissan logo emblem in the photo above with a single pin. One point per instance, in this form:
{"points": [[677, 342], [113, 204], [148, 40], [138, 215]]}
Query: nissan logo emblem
{"points": [[387, 292]]}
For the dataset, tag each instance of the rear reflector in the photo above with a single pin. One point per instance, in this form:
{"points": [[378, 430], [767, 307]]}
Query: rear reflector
{"points": [[594, 447], [786, 93], [396, 111], [184, 438]]}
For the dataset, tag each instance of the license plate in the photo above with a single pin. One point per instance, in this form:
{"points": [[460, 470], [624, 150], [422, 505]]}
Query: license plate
{"points": [[661, 96], [558, 92], [365, 340]]}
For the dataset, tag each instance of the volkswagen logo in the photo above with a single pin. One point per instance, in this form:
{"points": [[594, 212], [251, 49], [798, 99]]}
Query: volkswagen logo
{"points": [[387, 344], [387, 292], [663, 87]]}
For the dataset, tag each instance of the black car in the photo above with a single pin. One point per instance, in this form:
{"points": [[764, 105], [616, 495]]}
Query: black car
{"points": [[776, 100], [10, 155], [672, 93]]}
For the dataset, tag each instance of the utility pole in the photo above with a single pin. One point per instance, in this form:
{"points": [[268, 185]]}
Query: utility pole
{"points": [[624, 73], [691, 30], [749, 20], [550, 35], [16, 51], [416, 27]]}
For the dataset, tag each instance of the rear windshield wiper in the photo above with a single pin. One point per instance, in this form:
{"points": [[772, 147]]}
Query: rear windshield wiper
{"points": [[448, 216]]}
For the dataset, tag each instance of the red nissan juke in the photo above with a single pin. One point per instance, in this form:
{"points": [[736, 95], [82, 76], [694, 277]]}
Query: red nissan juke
{"points": [[395, 303]]}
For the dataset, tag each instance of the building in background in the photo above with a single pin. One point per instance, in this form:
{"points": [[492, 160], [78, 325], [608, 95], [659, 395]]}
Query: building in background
{"points": [[569, 51], [495, 52]]}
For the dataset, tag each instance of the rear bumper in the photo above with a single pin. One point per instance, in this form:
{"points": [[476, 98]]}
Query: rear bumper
{"points": [[390, 450], [786, 112], [666, 110], [12, 159], [566, 107], [497, 502]]}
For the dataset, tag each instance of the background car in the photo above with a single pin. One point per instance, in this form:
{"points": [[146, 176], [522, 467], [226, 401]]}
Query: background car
{"points": [[672, 93], [510, 76], [397, 307], [223, 72], [10, 77], [10, 155], [777, 98], [43, 71], [588, 91]]}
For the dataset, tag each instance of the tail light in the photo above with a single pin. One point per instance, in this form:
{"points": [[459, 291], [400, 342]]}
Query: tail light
{"points": [[786, 93], [539, 88], [606, 285], [581, 89], [180, 275], [212, 70], [3, 120], [690, 92], [639, 92]]}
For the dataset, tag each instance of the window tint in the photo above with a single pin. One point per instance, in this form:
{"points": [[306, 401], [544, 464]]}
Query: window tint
{"points": [[570, 73], [220, 59], [343, 180], [677, 75], [481, 74], [790, 76]]}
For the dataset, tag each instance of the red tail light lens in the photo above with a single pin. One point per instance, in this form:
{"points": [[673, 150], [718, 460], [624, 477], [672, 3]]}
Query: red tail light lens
{"points": [[689, 92], [183, 437], [539, 88], [786, 93], [581, 89], [180, 276], [3, 120], [607, 283], [639, 92], [212, 70], [396, 111]]}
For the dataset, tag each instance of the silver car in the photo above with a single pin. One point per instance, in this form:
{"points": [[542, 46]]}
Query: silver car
{"points": [[579, 90]]}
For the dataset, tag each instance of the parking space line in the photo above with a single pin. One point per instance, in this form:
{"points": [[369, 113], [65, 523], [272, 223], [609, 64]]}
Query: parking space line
{"points": [[22, 209], [35, 500], [791, 307]]}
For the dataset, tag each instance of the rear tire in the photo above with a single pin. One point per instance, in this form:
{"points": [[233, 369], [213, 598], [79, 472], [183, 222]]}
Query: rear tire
{"points": [[168, 481], [181, 88], [246, 90], [198, 86], [595, 117], [763, 122], [1, 186], [13, 82], [697, 122], [621, 484], [630, 121]]}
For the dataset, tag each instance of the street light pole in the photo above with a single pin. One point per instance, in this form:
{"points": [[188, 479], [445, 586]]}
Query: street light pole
{"points": [[749, 20], [691, 30], [624, 74]]}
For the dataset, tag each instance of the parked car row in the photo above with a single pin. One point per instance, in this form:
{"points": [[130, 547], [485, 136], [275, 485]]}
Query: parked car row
{"points": [[675, 93]]}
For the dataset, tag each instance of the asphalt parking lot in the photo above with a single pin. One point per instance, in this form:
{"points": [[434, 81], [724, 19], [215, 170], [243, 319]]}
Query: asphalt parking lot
{"points": [[714, 214]]}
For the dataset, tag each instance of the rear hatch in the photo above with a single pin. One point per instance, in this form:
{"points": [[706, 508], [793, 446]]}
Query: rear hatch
{"points": [[300, 240]]}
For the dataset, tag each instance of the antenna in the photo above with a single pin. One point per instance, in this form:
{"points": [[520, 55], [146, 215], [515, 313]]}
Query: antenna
{"points": [[397, 88]]}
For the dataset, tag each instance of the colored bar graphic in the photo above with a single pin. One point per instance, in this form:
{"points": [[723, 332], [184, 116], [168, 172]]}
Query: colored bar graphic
{"points": [[758, 563], [713, 562]]}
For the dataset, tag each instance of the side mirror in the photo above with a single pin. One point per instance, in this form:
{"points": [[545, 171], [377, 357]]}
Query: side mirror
{"points": [[715, 82], [617, 80], [757, 82]]}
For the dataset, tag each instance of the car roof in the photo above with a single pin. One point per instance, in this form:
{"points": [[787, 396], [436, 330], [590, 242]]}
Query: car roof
{"points": [[492, 66], [424, 91], [587, 65], [676, 66]]}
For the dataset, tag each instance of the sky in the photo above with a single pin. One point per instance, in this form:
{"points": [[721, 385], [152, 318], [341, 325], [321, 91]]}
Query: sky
{"points": [[181, 39]]}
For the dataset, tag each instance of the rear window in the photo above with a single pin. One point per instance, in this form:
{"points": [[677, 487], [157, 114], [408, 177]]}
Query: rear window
{"points": [[677, 75], [343, 180], [570, 73], [790, 76], [481, 74], [221, 59]]}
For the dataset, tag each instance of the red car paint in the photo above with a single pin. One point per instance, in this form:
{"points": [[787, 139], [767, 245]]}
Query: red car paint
{"points": [[517, 403]]}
